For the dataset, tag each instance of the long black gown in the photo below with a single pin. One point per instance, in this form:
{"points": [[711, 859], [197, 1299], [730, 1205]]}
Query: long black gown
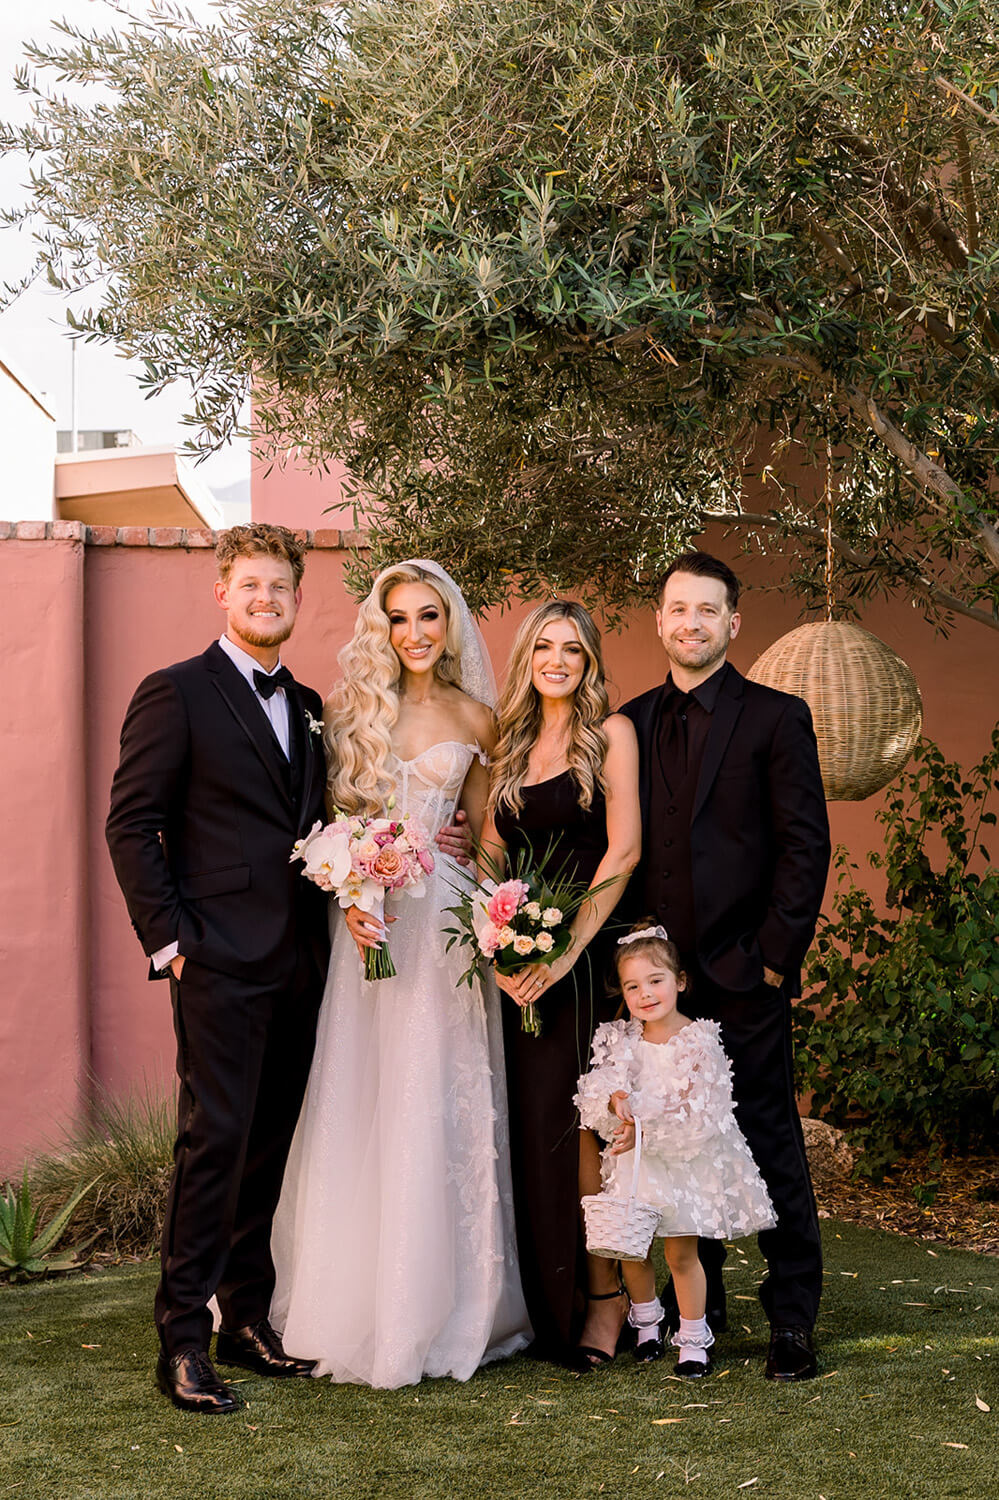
{"points": [[542, 1072]]}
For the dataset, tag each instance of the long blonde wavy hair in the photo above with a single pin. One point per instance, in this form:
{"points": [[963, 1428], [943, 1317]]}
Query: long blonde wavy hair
{"points": [[363, 707], [519, 710]]}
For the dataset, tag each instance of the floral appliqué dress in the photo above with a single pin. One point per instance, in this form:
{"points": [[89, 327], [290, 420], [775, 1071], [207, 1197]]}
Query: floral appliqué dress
{"points": [[394, 1241], [696, 1167]]}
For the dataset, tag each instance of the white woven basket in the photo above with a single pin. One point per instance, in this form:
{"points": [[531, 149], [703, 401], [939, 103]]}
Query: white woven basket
{"points": [[621, 1228]]}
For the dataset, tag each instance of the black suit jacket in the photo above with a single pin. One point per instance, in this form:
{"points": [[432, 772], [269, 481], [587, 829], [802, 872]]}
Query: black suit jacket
{"points": [[759, 834], [202, 822]]}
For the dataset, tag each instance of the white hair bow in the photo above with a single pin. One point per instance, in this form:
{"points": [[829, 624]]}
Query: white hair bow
{"points": [[646, 932]]}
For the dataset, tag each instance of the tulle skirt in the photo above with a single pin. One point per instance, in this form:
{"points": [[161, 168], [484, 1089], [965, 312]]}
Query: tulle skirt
{"points": [[393, 1242]]}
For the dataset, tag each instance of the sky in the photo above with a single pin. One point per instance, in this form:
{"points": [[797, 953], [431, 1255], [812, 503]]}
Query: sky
{"points": [[33, 331]]}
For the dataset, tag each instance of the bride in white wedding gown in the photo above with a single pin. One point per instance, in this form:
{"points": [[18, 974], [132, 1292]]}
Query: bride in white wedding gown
{"points": [[394, 1242]]}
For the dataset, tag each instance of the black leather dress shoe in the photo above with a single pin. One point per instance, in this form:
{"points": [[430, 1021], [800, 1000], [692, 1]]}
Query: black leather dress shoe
{"points": [[193, 1383], [791, 1355], [259, 1348]]}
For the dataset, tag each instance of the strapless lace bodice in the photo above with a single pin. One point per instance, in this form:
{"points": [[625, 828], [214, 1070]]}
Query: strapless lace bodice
{"points": [[428, 785]]}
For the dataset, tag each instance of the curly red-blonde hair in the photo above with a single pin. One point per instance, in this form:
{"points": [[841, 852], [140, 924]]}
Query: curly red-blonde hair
{"points": [[259, 539]]}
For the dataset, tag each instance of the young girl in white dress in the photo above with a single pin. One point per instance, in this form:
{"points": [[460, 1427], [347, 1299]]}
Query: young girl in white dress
{"points": [[394, 1241], [696, 1168]]}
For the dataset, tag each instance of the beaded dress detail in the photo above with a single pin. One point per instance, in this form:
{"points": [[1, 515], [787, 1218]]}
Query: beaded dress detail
{"points": [[394, 1242]]}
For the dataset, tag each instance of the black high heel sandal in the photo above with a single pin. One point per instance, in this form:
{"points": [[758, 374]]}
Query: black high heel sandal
{"points": [[592, 1358]]}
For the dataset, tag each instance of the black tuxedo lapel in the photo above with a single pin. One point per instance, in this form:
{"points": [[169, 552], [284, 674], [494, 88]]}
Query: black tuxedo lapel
{"points": [[311, 760], [239, 699], [723, 722]]}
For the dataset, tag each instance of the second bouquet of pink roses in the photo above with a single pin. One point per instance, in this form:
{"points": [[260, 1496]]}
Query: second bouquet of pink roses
{"points": [[521, 921], [363, 860]]}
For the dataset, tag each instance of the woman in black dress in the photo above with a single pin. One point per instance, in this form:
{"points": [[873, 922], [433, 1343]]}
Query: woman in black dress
{"points": [[565, 771]]}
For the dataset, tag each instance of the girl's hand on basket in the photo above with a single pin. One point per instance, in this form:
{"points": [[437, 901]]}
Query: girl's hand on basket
{"points": [[623, 1139], [620, 1105]]}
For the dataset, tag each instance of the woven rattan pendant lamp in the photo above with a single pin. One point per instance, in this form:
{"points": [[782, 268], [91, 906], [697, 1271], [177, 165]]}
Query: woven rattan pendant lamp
{"points": [[864, 699]]}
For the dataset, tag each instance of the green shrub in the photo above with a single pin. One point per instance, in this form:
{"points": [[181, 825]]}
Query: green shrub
{"points": [[128, 1145], [898, 1036]]}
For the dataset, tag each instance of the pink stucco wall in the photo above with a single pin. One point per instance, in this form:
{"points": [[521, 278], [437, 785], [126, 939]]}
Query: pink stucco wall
{"points": [[289, 494], [44, 1031], [85, 624]]}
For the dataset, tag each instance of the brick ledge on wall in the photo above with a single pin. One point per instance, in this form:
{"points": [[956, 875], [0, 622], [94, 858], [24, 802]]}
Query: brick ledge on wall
{"points": [[189, 538]]}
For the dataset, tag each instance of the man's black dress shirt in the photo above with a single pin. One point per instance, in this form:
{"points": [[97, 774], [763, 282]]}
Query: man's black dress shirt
{"points": [[681, 735]]}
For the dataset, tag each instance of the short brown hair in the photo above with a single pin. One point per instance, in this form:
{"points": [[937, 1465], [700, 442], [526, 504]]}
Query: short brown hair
{"points": [[702, 565], [256, 539]]}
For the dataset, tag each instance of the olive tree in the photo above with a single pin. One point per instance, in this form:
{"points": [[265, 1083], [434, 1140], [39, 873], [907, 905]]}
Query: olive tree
{"points": [[564, 283]]}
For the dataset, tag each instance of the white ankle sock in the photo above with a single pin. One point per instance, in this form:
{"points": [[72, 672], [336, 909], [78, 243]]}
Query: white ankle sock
{"points": [[693, 1339], [645, 1318]]}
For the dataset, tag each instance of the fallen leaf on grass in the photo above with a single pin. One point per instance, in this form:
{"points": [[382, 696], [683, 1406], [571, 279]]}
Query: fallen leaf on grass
{"points": [[667, 1421], [955, 1445], [178, 1448], [747, 1482], [982, 1405], [90, 1346]]}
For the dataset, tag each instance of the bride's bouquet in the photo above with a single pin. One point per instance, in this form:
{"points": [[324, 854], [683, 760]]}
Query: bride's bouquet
{"points": [[517, 922], [363, 860]]}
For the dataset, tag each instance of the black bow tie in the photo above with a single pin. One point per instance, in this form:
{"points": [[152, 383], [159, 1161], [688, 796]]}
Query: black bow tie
{"points": [[265, 685]]}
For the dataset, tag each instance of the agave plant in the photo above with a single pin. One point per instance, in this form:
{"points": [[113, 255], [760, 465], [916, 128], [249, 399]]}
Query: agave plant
{"points": [[24, 1249]]}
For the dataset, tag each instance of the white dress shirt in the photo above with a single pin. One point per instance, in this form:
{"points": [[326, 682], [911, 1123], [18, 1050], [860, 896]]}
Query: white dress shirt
{"points": [[276, 709]]}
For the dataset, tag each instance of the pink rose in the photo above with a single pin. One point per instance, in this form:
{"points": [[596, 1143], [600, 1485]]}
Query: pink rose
{"points": [[390, 869], [426, 860], [506, 901], [489, 939]]}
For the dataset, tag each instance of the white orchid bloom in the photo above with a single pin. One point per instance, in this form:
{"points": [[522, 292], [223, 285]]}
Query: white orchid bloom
{"points": [[300, 845], [329, 853]]}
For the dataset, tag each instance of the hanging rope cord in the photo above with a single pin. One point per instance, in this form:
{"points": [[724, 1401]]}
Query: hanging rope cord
{"points": [[829, 528]]}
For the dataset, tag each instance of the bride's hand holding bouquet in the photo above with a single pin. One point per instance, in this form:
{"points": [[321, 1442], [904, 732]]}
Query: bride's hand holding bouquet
{"points": [[361, 861]]}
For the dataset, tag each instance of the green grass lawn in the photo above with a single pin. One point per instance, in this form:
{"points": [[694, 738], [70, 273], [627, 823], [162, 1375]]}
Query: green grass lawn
{"points": [[908, 1343]]}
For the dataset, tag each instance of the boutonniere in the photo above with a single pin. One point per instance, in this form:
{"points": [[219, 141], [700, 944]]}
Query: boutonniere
{"points": [[315, 725]]}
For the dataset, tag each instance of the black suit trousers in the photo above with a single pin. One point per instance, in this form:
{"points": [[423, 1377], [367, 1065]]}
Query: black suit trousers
{"points": [[756, 1033], [243, 1056]]}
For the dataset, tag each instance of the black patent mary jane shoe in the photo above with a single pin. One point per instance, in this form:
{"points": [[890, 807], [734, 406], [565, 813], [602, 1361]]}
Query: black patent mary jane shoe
{"points": [[259, 1348], [693, 1369], [790, 1355], [193, 1384], [649, 1351]]}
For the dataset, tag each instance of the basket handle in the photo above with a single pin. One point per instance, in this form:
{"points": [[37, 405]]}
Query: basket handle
{"points": [[638, 1160]]}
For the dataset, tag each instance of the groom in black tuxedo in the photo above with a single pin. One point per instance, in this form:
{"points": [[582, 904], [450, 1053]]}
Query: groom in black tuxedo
{"points": [[735, 857], [221, 769]]}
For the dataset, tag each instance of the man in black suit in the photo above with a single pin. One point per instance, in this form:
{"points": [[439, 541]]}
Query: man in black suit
{"points": [[221, 769], [735, 857]]}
